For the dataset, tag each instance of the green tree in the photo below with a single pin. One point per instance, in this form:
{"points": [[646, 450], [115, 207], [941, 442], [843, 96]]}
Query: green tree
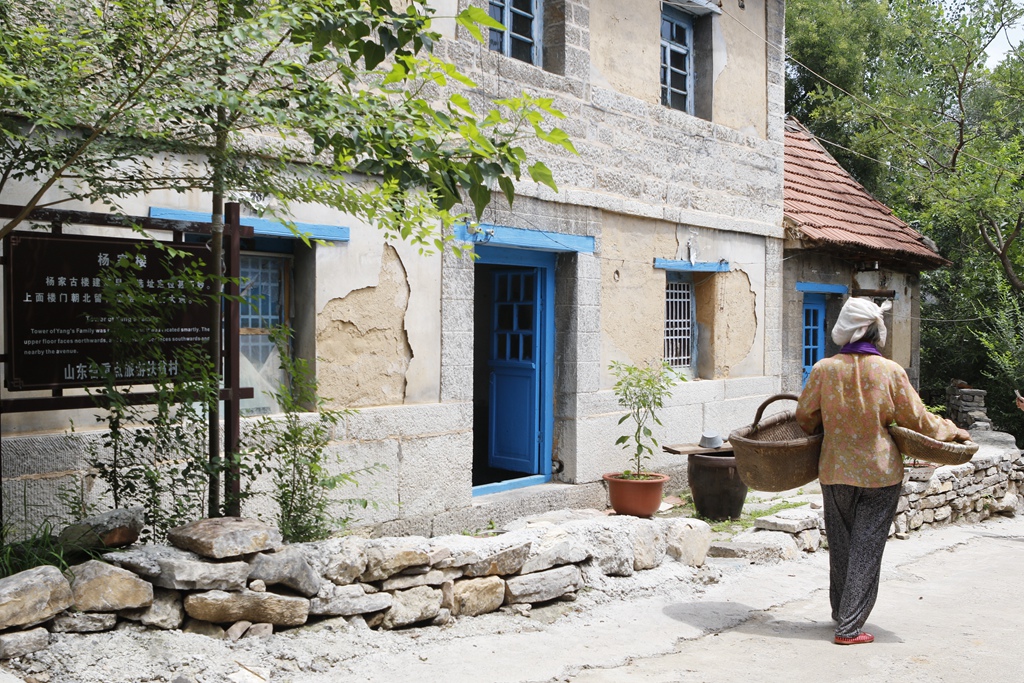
{"points": [[948, 129], [832, 48], [335, 102]]}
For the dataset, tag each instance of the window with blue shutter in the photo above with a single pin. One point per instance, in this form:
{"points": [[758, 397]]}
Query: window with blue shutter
{"points": [[814, 331]]}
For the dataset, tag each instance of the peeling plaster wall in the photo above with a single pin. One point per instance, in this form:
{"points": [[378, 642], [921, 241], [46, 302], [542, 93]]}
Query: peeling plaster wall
{"points": [[362, 344], [645, 181], [366, 263], [741, 92], [727, 322], [729, 306]]}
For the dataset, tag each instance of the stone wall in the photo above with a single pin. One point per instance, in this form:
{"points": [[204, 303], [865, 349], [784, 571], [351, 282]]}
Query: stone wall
{"points": [[234, 578], [989, 484], [966, 407]]}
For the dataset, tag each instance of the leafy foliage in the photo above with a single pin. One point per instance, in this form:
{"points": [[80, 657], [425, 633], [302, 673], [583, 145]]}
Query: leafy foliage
{"points": [[295, 448], [41, 547], [938, 136], [834, 47], [337, 102], [642, 391], [1003, 340], [153, 456]]}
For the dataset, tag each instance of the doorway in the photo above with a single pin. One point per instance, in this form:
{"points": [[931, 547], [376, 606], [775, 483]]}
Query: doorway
{"points": [[513, 357]]}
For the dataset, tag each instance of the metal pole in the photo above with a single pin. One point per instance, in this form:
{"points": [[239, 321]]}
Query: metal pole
{"points": [[232, 370]]}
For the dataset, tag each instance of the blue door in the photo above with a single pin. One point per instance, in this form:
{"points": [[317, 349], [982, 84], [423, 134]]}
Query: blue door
{"points": [[814, 331], [513, 362]]}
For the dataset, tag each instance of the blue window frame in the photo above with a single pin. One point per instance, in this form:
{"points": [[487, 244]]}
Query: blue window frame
{"points": [[676, 59], [521, 37], [814, 331]]}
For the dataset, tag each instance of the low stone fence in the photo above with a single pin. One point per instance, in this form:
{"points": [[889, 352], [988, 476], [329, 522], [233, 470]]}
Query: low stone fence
{"points": [[989, 484], [234, 578]]}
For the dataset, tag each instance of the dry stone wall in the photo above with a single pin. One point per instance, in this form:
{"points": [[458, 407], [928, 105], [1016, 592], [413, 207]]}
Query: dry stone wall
{"points": [[966, 407], [989, 484], [234, 578]]}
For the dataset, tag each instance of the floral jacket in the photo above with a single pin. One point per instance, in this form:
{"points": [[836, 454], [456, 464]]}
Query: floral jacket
{"points": [[855, 397]]}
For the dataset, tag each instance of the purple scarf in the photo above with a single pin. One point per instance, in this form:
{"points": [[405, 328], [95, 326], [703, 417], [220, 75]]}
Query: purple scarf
{"points": [[860, 347]]}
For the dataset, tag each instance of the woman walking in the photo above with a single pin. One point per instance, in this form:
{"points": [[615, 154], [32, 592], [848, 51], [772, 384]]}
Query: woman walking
{"points": [[854, 396]]}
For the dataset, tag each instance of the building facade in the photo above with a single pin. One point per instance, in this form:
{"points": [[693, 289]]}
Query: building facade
{"points": [[483, 384]]}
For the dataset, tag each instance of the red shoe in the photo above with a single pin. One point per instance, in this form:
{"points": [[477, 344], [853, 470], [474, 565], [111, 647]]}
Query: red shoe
{"points": [[859, 639]]}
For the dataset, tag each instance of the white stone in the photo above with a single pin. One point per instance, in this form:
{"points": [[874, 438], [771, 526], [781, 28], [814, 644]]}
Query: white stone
{"points": [[478, 596], [792, 521], [346, 565], [100, 587], [688, 540], [809, 540], [607, 542], [285, 567], [412, 606], [167, 611], [495, 555], [83, 622], [220, 607], [543, 586], [649, 544], [180, 569], [33, 596], [767, 546], [433, 577], [334, 600], [386, 557], [221, 537], [555, 548], [19, 643]]}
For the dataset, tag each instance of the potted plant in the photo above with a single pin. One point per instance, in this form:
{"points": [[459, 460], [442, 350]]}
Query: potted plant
{"points": [[642, 391]]}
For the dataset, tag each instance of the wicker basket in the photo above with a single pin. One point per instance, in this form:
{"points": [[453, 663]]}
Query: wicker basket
{"points": [[776, 454], [914, 445]]}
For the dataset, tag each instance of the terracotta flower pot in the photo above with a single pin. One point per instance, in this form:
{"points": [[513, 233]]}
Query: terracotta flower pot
{"points": [[636, 497]]}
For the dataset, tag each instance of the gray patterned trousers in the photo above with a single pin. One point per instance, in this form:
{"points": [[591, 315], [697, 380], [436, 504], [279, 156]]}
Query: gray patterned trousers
{"points": [[857, 525]]}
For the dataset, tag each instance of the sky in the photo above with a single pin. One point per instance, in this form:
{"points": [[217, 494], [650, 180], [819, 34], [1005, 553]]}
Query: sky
{"points": [[1001, 44]]}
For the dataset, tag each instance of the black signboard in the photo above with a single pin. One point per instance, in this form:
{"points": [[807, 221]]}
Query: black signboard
{"points": [[58, 323]]}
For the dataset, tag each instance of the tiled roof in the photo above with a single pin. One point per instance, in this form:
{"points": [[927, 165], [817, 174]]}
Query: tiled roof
{"points": [[834, 212]]}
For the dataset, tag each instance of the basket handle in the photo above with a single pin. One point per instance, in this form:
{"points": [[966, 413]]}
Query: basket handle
{"points": [[770, 400]]}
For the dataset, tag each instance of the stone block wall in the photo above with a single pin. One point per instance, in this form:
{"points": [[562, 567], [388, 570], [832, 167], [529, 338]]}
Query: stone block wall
{"points": [[989, 484]]}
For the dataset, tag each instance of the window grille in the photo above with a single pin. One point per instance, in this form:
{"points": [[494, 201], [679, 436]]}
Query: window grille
{"points": [[678, 320], [521, 19], [676, 59], [263, 284]]}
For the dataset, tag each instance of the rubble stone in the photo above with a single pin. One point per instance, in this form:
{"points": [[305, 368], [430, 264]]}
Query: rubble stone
{"points": [[33, 596], [222, 537]]}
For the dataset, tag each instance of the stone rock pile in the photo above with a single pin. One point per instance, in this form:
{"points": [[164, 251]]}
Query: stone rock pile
{"points": [[966, 407], [234, 578], [777, 537]]}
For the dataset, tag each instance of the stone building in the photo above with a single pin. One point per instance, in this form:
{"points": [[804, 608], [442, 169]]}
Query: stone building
{"points": [[841, 242], [483, 385]]}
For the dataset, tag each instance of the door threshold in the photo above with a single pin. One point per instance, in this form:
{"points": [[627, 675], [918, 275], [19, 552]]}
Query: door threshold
{"points": [[510, 484]]}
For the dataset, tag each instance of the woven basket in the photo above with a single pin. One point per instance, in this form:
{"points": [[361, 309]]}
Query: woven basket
{"points": [[914, 445], [776, 454]]}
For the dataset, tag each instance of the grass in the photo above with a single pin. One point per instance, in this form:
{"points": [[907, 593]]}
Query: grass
{"points": [[41, 548], [745, 521]]}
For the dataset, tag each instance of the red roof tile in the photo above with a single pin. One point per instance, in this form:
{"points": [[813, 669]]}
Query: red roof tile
{"points": [[831, 209]]}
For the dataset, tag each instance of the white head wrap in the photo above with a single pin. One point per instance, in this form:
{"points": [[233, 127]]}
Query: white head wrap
{"points": [[856, 318]]}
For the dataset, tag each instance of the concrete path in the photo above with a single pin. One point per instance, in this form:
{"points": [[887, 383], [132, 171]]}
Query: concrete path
{"points": [[949, 610]]}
